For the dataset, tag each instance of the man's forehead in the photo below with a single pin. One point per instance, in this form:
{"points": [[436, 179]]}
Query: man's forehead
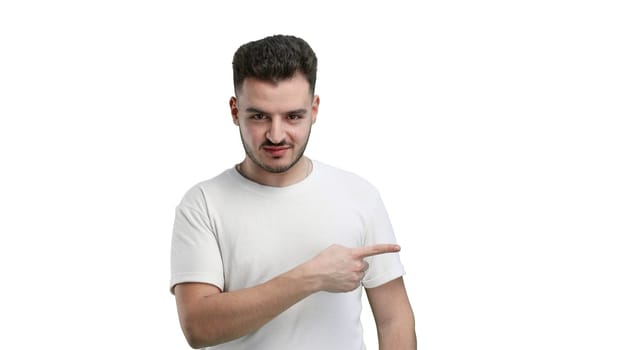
{"points": [[268, 95], [297, 82]]}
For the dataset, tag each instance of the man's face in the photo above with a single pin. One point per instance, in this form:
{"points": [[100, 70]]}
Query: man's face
{"points": [[275, 120]]}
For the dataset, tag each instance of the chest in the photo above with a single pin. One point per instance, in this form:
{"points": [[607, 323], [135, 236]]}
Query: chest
{"points": [[261, 239]]}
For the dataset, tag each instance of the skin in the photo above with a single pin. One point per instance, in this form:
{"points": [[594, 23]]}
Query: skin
{"points": [[275, 122], [395, 321]]}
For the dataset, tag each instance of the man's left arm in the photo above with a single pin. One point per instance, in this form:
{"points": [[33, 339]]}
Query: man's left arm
{"points": [[394, 317]]}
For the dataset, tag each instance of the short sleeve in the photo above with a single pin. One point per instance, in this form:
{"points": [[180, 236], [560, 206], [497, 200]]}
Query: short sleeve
{"points": [[383, 268], [195, 253]]}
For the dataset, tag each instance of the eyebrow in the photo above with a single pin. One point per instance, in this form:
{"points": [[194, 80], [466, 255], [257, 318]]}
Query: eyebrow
{"points": [[256, 110]]}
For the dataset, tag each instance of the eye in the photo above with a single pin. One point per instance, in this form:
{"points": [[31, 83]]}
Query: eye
{"points": [[259, 116], [294, 116]]}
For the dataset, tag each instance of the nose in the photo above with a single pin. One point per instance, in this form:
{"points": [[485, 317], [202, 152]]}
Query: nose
{"points": [[276, 133]]}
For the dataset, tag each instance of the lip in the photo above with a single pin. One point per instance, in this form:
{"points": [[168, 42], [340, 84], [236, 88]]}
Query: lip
{"points": [[276, 151]]}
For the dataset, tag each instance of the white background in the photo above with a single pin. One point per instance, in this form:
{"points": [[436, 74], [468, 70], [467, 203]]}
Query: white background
{"points": [[491, 128]]}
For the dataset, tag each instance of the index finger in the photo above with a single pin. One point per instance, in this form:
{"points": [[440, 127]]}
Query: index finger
{"points": [[376, 249]]}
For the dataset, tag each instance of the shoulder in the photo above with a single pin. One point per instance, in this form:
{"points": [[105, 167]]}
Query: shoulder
{"points": [[198, 195]]}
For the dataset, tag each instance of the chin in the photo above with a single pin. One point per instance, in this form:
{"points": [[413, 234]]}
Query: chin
{"points": [[277, 165]]}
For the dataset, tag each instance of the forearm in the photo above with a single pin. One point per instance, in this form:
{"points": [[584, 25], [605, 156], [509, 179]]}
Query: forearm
{"points": [[398, 335], [209, 317], [395, 320], [223, 317]]}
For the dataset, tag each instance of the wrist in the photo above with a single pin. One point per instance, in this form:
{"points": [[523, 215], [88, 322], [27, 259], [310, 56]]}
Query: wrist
{"points": [[305, 277]]}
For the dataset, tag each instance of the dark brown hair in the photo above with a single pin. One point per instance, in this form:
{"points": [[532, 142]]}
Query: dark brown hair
{"points": [[274, 58]]}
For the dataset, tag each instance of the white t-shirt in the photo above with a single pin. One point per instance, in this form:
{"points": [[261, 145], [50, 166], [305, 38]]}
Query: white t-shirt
{"points": [[234, 233]]}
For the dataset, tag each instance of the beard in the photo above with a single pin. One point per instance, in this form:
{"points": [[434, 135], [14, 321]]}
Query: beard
{"points": [[280, 169]]}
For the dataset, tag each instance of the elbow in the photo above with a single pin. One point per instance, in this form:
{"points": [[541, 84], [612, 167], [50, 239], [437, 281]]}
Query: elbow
{"points": [[196, 336], [193, 338], [193, 344], [196, 343]]}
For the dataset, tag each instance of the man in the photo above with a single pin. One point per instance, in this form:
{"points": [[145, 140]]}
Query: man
{"points": [[273, 253]]}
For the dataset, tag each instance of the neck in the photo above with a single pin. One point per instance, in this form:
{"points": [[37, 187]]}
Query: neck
{"points": [[295, 174]]}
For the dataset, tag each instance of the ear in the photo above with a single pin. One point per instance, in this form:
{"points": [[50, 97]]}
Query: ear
{"points": [[314, 108], [234, 110]]}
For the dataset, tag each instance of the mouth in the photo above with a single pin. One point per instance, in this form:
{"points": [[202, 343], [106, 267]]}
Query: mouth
{"points": [[277, 151]]}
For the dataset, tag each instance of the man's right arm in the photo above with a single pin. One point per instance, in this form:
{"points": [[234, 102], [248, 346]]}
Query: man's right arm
{"points": [[209, 316]]}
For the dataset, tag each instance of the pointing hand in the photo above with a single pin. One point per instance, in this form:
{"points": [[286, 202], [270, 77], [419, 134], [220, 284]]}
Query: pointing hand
{"points": [[341, 269]]}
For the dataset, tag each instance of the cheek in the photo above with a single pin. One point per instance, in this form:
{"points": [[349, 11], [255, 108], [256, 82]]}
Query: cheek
{"points": [[253, 135], [301, 133]]}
